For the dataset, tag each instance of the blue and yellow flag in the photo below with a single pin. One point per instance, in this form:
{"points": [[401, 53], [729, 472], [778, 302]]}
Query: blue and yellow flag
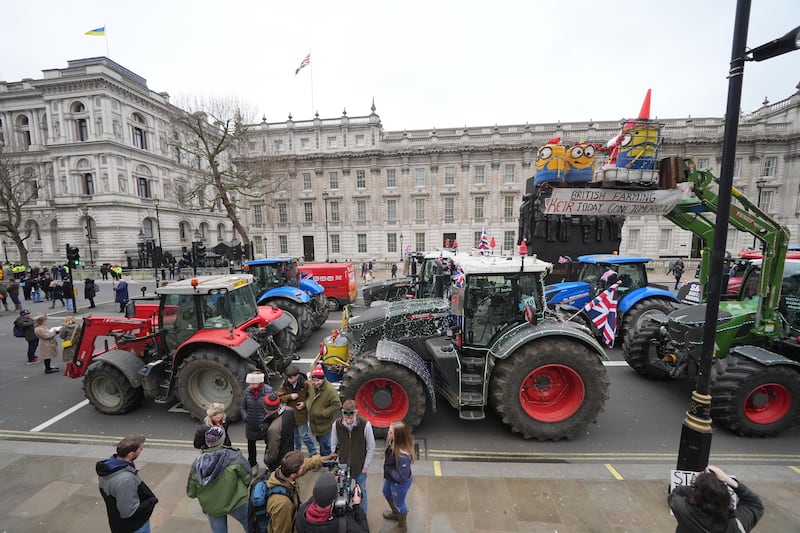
{"points": [[97, 31]]}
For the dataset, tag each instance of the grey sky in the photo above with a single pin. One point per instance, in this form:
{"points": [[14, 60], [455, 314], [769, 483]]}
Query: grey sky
{"points": [[427, 64]]}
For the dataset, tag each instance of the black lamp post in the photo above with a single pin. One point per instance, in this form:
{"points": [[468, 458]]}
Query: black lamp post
{"points": [[140, 245], [325, 197], [195, 243], [157, 254], [5, 250], [695, 445], [88, 233], [401, 247]]}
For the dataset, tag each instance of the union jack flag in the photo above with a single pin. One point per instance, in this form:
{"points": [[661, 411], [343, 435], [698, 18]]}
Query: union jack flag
{"points": [[306, 60], [603, 313], [458, 278], [306, 276], [484, 244]]}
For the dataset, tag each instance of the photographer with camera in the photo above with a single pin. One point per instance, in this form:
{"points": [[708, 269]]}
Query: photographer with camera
{"points": [[353, 440], [324, 513]]}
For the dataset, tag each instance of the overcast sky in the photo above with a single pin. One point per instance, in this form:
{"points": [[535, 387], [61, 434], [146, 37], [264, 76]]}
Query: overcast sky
{"points": [[426, 63]]}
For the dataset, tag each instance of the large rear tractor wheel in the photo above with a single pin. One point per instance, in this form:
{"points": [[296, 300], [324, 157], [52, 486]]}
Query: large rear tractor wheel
{"points": [[550, 390], [323, 310], [285, 342], [300, 320], [637, 315], [109, 391], [752, 399], [209, 376], [641, 353], [384, 392]]}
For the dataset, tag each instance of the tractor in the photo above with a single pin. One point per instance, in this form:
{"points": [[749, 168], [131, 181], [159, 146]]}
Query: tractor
{"points": [[429, 275], [196, 343], [490, 342]]}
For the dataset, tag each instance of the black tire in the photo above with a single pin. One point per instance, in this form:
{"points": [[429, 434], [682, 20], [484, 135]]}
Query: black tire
{"points": [[575, 391], [640, 352], [373, 383], [210, 375], [637, 315], [285, 342], [324, 310], [333, 304], [300, 321], [754, 400], [109, 391]]}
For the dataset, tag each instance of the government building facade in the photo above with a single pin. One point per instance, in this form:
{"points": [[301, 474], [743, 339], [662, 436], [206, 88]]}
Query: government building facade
{"points": [[99, 143]]}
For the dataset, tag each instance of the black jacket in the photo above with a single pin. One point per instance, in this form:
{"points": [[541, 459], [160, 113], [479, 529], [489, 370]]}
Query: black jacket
{"points": [[125, 494], [25, 324], [749, 510], [356, 521]]}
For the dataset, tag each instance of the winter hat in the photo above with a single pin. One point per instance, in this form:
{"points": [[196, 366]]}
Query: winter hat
{"points": [[215, 408], [325, 490], [24, 312], [255, 377], [272, 401], [215, 436], [291, 370], [318, 372]]}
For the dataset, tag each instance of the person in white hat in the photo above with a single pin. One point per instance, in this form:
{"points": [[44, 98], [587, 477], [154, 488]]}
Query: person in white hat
{"points": [[253, 413]]}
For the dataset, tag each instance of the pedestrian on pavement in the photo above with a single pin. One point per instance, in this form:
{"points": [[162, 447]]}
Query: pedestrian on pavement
{"points": [[36, 294], [13, 292], [394, 270], [279, 424], [121, 293], [215, 417], [90, 289], [253, 412], [352, 438], [69, 293], [678, 269], [706, 504], [68, 334], [129, 501], [316, 515], [322, 406], [220, 480], [398, 456], [368, 277], [57, 291], [294, 391], [4, 295], [283, 508], [48, 347], [24, 323]]}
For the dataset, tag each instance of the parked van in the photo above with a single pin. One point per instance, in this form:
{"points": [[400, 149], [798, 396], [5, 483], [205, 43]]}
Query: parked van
{"points": [[338, 280]]}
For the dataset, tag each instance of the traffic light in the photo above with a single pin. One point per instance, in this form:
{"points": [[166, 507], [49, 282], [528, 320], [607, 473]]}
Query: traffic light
{"points": [[73, 256], [237, 252], [200, 252], [187, 256]]}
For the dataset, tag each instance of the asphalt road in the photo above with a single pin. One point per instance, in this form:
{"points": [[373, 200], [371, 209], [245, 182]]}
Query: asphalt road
{"points": [[641, 422]]}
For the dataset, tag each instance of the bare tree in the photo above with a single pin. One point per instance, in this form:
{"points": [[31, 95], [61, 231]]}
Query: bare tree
{"points": [[214, 132], [18, 188]]}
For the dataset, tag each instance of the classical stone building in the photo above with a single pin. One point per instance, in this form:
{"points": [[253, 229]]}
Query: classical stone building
{"points": [[99, 143], [94, 141]]}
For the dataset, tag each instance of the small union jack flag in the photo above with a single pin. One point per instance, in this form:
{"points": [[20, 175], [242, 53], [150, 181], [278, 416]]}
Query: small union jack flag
{"points": [[603, 313], [458, 278], [484, 244], [306, 276]]}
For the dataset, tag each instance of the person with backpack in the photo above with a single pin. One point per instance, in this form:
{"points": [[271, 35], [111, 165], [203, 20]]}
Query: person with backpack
{"points": [[279, 429], [23, 328], [220, 479], [316, 515]]}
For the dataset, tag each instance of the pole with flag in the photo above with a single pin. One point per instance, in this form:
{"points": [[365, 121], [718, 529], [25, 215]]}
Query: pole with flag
{"points": [[483, 245], [306, 62], [100, 32], [602, 311]]}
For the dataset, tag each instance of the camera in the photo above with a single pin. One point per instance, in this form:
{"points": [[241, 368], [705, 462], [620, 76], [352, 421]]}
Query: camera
{"points": [[345, 486]]}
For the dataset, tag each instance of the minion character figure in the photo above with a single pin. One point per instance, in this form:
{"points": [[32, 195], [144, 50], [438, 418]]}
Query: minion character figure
{"points": [[580, 163], [551, 164], [638, 146]]}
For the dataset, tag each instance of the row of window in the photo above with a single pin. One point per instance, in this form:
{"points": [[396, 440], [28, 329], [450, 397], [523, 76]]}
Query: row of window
{"points": [[331, 142]]}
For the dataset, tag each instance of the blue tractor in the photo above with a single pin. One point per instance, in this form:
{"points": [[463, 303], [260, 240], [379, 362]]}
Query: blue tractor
{"points": [[279, 284], [636, 298]]}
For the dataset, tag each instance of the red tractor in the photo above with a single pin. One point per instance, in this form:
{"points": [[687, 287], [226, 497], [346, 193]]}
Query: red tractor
{"points": [[196, 343]]}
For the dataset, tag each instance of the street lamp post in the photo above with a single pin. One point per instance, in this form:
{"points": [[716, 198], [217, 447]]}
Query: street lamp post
{"points": [[760, 186], [401, 247], [195, 243], [140, 246], [695, 443], [5, 251], [157, 255], [325, 197], [88, 233]]}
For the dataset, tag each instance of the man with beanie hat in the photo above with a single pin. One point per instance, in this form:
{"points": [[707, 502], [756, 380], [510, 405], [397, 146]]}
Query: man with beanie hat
{"points": [[322, 406], [253, 414], [294, 391], [220, 480], [352, 438], [279, 423], [316, 515]]}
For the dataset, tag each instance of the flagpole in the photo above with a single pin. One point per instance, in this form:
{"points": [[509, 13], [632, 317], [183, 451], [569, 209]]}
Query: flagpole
{"points": [[105, 35], [312, 85]]}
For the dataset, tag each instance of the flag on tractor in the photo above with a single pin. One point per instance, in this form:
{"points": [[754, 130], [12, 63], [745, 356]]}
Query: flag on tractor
{"points": [[458, 278], [602, 312], [484, 243]]}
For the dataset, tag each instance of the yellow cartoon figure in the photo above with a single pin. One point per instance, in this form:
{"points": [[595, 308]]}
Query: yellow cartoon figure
{"points": [[637, 148], [551, 165], [580, 163]]}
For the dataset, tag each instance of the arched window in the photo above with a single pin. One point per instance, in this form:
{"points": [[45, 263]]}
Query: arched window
{"points": [[147, 228], [138, 131], [88, 184], [220, 232], [24, 130], [183, 231], [78, 107]]}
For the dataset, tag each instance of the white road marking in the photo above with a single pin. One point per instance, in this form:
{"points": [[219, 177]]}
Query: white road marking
{"points": [[58, 417]]}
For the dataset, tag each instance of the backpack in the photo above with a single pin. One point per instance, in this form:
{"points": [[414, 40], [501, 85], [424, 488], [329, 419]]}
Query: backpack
{"points": [[18, 332], [258, 517]]}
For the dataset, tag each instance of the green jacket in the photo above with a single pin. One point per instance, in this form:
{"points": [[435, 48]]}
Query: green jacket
{"points": [[219, 479], [282, 509], [322, 407]]}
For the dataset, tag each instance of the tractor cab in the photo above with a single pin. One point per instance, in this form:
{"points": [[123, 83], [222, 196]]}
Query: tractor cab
{"points": [[630, 272]]}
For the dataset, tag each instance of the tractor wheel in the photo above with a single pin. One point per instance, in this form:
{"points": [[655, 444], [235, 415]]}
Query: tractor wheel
{"points": [[325, 310], [640, 352], [637, 315], [550, 390], [109, 391], [300, 322], [209, 376], [752, 399], [285, 342], [384, 392]]}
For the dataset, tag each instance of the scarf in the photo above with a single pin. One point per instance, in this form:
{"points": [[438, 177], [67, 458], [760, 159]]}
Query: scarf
{"points": [[256, 391], [317, 515]]}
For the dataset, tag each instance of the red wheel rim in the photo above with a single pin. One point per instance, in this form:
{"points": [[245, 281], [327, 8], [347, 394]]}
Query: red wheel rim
{"points": [[552, 393], [382, 401], [767, 403]]}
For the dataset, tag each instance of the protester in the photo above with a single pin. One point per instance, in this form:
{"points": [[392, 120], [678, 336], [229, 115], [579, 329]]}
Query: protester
{"points": [[678, 269], [121, 293], [90, 289], [253, 413], [13, 292], [316, 515], [707, 506], [352, 439], [282, 509], [398, 457], [129, 501], [57, 293], [279, 424], [48, 348], [67, 334], [215, 417], [220, 479], [322, 407], [294, 391], [24, 323]]}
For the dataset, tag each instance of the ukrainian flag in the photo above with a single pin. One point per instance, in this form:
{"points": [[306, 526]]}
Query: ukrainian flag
{"points": [[97, 31]]}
